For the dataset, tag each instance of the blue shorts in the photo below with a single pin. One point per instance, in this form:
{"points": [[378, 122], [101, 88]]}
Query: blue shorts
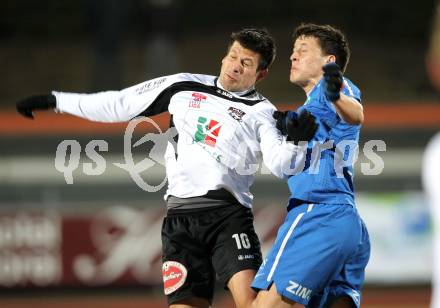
{"points": [[320, 254]]}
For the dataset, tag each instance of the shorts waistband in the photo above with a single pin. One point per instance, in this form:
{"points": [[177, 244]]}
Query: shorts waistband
{"points": [[213, 198], [293, 203], [199, 210]]}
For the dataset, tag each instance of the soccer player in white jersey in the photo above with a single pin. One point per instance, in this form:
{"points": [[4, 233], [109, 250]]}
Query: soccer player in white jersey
{"points": [[431, 165], [431, 182], [224, 126]]}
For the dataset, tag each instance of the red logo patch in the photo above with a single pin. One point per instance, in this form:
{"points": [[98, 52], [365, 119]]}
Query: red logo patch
{"points": [[213, 130], [174, 276], [198, 96], [196, 99]]}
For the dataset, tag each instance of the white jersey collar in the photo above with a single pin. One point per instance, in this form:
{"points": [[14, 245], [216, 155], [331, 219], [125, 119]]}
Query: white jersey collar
{"points": [[241, 93]]}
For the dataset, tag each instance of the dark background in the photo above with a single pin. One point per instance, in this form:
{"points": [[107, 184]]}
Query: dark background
{"points": [[88, 46]]}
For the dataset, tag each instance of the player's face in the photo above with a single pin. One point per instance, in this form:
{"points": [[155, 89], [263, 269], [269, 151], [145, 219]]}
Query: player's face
{"points": [[307, 61], [239, 69]]}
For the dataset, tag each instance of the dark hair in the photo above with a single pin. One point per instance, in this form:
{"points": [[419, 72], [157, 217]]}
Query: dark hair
{"points": [[331, 40], [257, 40]]}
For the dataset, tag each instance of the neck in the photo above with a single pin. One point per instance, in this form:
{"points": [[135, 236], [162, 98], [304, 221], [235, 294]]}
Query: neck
{"points": [[310, 84], [235, 92]]}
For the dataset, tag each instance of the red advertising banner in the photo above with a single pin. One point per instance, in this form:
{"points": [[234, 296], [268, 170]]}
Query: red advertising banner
{"points": [[117, 246], [30, 249]]}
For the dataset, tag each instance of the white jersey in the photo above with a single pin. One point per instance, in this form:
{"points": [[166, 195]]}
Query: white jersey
{"points": [[222, 136], [431, 182]]}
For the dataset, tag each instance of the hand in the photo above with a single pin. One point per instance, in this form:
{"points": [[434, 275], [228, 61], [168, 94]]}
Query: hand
{"points": [[333, 81], [298, 128], [40, 102], [281, 118]]}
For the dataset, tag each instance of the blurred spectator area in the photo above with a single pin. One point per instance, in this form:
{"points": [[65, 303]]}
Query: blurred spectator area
{"points": [[95, 45]]}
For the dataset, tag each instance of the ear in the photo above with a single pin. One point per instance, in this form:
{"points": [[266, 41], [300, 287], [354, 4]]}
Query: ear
{"points": [[330, 58], [262, 74]]}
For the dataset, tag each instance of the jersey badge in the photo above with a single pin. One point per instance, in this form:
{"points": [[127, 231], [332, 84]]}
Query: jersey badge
{"points": [[236, 113]]}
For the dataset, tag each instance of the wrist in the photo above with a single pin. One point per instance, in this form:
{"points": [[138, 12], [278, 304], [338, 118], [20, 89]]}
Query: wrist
{"points": [[333, 96], [51, 101]]}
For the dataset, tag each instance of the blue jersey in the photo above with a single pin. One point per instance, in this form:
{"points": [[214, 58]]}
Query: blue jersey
{"points": [[327, 176]]}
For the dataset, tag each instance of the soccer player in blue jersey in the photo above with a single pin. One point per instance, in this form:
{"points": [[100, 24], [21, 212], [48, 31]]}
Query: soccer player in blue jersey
{"points": [[321, 250]]}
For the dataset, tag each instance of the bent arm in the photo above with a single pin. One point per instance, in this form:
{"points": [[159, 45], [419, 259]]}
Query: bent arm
{"points": [[349, 109]]}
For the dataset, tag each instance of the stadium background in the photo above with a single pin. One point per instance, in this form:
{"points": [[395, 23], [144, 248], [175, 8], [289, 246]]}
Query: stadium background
{"points": [[95, 243]]}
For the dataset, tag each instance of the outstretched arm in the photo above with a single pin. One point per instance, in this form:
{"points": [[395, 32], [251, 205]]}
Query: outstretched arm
{"points": [[148, 98]]}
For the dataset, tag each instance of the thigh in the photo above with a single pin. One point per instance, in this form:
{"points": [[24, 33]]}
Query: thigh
{"points": [[187, 270], [236, 247], [311, 247], [347, 284], [240, 287]]}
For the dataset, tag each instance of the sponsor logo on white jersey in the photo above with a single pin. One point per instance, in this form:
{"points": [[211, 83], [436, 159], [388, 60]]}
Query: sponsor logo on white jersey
{"points": [[225, 93], [196, 99], [207, 131], [150, 85]]}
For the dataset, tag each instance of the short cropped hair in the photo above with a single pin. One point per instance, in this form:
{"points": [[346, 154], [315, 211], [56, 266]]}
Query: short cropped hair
{"points": [[259, 41], [332, 41]]}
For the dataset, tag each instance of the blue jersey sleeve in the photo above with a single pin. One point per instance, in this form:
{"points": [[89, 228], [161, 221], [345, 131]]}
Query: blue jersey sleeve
{"points": [[350, 89]]}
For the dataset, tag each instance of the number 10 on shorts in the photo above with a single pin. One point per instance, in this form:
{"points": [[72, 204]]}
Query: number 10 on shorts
{"points": [[242, 240]]}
